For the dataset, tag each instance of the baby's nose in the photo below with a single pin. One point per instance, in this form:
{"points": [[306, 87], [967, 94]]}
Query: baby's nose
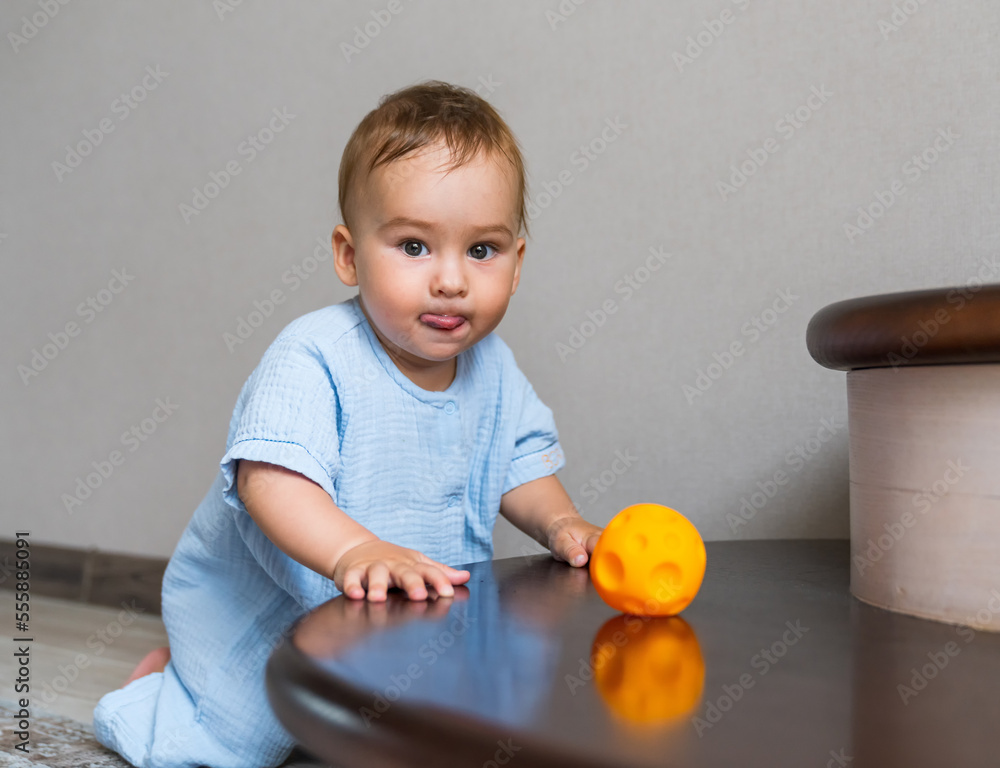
{"points": [[449, 276]]}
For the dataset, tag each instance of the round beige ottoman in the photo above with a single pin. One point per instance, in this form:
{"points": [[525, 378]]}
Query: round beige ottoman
{"points": [[923, 398]]}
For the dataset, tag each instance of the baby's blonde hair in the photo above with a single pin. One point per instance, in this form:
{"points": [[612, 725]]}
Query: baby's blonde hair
{"points": [[423, 115]]}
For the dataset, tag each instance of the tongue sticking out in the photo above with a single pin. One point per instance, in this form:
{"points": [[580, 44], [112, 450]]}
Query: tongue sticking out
{"points": [[442, 321]]}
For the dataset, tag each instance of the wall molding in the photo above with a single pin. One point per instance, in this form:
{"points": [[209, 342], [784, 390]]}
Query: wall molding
{"points": [[88, 575]]}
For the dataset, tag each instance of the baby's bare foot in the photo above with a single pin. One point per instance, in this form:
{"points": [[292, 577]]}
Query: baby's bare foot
{"points": [[155, 661]]}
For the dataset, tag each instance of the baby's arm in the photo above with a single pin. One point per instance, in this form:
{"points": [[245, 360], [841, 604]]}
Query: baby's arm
{"points": [[543, 510], [303, 522]]}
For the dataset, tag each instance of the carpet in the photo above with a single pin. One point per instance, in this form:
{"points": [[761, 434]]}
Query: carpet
{"points": [[60, 742]]}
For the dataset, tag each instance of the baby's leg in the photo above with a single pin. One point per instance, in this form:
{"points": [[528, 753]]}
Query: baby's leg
{"points": [[155, 661]]}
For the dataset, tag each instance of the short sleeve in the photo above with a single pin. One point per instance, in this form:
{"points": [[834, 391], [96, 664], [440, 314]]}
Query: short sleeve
{"points": [[287, 414], [537, 451]]}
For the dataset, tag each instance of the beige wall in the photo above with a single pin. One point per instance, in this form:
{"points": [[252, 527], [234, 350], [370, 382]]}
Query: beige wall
{"points": [[771, 251]]}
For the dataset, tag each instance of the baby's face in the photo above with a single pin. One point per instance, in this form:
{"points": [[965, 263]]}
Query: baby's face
{"points": [[436, 258]]}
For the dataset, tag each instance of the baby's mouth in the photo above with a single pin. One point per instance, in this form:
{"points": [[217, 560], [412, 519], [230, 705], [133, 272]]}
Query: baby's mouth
{"points": [[444, 322]]}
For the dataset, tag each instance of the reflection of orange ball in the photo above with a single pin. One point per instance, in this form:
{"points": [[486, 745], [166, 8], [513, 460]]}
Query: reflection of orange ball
{"points": [[648, 670], [649, 561]]}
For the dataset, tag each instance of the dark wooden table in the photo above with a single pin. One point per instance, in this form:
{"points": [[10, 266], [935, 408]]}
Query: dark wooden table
{"points": [[774, 664]]}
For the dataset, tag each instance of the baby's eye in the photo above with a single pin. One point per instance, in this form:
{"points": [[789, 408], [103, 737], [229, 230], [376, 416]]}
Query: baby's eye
{"points": [[481, 251], [412, 247]]}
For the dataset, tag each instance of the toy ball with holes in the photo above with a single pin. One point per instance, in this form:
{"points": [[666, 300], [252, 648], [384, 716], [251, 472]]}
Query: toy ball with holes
{"points": [[649, 561]]}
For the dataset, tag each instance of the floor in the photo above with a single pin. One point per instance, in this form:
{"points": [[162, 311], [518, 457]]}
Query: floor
{"points": [[79, 652]]}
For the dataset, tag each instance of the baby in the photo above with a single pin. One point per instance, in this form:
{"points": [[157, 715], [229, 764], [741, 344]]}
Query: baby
{"points": [[374, 444]]}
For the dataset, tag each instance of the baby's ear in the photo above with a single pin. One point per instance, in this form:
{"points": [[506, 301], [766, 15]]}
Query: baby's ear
{"points": [[517, 267], [343, 255]]}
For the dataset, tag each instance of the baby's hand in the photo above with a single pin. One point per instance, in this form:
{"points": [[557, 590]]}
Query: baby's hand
{"points": [[572, 539], [377, 565]]}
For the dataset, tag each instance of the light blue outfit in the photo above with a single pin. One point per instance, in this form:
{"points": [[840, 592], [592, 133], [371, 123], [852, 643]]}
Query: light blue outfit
{"points": [[421, 469]]}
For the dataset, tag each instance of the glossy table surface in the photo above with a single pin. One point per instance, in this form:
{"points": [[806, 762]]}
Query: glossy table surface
{"points": [[773, 664]]}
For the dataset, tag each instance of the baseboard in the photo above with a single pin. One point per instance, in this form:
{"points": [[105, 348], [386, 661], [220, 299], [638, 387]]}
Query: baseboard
{"points": [[88, 575]]}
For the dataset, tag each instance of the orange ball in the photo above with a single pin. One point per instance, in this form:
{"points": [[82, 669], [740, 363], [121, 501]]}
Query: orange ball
{"points": [[649, 561]]}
